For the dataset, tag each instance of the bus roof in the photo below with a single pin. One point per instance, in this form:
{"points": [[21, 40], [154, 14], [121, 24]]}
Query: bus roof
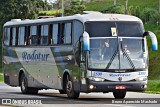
{"points": [[91, 16]]}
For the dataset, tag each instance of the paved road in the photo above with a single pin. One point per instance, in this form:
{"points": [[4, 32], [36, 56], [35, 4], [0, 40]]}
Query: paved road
{"points": [[88, 99]]}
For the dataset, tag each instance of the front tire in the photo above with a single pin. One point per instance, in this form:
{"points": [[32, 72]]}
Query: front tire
{"points": [[70, 90], [119, 95], [24, 86]]}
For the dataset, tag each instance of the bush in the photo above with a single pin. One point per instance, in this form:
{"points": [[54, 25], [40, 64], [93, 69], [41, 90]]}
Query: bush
{"points": [[76, 8], [149, 14], [134, 10], [42, 13], [55, 13]]}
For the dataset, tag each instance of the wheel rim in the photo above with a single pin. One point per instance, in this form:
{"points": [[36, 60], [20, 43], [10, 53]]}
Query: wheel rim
{"points": [[23, 84], [69, 85]]}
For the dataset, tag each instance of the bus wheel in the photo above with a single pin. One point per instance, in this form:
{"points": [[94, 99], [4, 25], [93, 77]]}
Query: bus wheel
{"points": [[119, 95], [24, 86], [69, 89]]}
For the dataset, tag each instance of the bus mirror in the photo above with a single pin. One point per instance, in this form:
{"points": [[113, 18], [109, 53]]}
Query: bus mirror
{"points": [[153, 39], [86, 43]]}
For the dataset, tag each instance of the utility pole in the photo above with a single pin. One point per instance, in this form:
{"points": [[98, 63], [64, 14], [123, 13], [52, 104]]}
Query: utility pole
{"points": [[159, 6], [62, 8], [126, 5], [115, 2]]}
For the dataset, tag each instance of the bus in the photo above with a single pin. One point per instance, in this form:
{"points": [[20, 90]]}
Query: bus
{"points": [[92, 52]]}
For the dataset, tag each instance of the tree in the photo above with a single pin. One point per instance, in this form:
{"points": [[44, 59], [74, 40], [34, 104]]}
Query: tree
{"points": [[75, 8], [115, 2], [126, 5], [23, 9], [58, 4]]}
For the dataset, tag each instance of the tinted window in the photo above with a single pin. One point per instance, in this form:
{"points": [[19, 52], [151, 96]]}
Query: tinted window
{"points": [[67, 33], [130, 29], [13, 36], [99, 29], [7, 36], [124, 29], [78, 30], [33, 35], [21, 36], [55, 34], [44, 34]]}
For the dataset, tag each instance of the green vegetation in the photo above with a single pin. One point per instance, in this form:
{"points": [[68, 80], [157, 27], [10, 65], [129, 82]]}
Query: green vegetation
{"points": [[1, 77], [154, 56], [153, 86], [99, 5], [50, 13], [75, 7]]}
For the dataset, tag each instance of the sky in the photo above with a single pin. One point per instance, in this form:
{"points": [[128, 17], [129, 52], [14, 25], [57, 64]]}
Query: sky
{"points": [[51, 0]]}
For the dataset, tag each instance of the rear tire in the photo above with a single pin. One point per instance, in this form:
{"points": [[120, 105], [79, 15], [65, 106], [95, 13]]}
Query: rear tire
{"points": [[119, 95], [24, 86], [70, 90]]}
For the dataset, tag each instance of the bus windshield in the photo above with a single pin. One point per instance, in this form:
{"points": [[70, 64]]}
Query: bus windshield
{"points": [[110, 52]]}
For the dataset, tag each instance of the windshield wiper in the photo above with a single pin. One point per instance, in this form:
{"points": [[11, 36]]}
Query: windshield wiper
{"points": [[112, 58], [125, 54], [128, 58]]}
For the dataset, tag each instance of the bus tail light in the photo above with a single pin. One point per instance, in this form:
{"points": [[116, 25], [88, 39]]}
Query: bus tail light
{"points": [[120, 87]]}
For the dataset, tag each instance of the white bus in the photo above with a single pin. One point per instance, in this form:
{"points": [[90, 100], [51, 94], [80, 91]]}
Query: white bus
{"points": [[92, 52]]}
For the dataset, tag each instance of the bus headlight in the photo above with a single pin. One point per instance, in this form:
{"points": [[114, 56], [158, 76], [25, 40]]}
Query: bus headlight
{"points": [[141, 79], [96, 79]]}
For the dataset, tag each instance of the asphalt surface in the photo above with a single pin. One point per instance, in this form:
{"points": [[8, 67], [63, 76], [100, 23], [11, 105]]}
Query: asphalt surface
{"points": [[51, 97]]}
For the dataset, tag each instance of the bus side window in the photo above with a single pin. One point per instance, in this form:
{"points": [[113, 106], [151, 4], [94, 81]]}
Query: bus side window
{"points": [[21, 36], [77, 30], [60, 35], [67, 33], [50, 34], [55, 34], [7, 33], [33, 35], [13, 36], [44, 35]]}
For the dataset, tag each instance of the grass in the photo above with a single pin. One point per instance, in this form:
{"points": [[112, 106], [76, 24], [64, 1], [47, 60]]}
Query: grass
{"points": [[99, 5], [153, 87], [1, 77]]}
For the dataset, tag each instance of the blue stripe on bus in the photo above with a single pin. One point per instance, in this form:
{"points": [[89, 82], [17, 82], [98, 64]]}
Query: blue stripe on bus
{"points": [[61, 60], [12, 59]]}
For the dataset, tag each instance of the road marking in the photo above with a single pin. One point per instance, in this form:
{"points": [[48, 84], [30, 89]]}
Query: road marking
{"points": [[118, 105]]}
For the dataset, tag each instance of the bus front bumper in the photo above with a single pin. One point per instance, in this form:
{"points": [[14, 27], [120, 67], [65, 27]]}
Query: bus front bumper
{"points": [[93, 86]]}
